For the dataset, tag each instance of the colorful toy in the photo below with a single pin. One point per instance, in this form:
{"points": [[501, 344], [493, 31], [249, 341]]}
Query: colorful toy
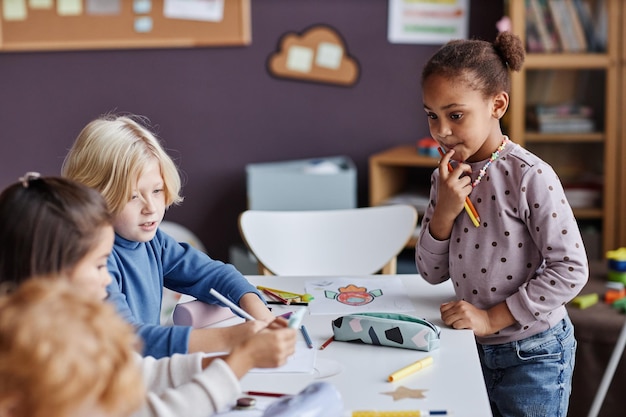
{"points": [[620, 305], [617, 265], [584, 301], [428, 146]]}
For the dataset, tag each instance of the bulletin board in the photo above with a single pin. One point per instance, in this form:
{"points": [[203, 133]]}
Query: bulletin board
{"points": [[29, 25]]}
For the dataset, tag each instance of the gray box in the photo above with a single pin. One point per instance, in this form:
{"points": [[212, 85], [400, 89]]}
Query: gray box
{"points": [[306, 184]]}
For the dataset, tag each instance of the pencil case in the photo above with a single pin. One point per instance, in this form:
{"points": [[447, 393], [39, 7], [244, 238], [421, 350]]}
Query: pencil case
{"points": [[387, 329]]}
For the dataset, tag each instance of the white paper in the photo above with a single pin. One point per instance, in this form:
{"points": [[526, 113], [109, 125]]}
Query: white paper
{"points": [[40, 4], [103, 7], [352, 295], [69, 7], [299, 58], [427, 21], [14, 10], [329, 55], [302, 361], [204, 10]]}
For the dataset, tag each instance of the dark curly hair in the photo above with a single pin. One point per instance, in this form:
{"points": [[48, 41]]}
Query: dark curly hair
{"points": [[484, 65]]}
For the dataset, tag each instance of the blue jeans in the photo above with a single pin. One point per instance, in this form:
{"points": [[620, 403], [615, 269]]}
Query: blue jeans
{"points": [[531, 377]]}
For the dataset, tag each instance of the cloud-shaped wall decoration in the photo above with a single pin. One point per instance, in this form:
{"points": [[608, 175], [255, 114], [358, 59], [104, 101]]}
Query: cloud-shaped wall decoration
{"points": [[319, 54]]}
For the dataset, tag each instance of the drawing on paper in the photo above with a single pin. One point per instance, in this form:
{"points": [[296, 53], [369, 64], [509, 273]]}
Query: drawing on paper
{"points": [[353, 296]]}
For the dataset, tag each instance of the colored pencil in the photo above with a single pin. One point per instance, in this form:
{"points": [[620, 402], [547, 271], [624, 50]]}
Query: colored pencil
{"points": [[326, 343], [291, 304], [400, 413], [276, 296], [265, 394], [469, 207], [306, 336]]}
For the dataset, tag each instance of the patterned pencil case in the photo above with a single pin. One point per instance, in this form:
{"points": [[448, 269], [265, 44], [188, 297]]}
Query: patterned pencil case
{"points": [[387, 329]]}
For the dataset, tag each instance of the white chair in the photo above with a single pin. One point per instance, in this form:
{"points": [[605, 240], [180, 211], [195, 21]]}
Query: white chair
{"points": [[360, 241]]}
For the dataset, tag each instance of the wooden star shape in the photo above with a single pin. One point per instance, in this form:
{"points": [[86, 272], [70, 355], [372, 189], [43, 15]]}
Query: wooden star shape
{"points": [[404, 392]]}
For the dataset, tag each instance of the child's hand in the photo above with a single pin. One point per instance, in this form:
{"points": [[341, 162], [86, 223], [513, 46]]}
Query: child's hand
{"points": [[220, 339], [278, 323], [454, 186], [463, 315], [266, 349]]}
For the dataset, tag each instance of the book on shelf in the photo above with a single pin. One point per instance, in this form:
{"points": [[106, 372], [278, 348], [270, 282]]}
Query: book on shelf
{"points": [[586, 16], [533, 38], [540, 16], [568, 25], [561, 118]]}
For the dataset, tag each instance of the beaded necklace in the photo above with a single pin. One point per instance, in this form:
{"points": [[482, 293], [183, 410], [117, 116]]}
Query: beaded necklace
{"points": [[494, 156]]}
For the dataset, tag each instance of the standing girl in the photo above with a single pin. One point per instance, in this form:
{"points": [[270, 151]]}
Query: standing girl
{"points": [[123, 160], [514, 273]]}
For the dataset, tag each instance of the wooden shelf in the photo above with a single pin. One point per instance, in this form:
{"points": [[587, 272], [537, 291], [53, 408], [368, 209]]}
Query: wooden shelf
{"points": [[600, 148], [564, 137], [397, 170], [403, 155], [389, 172], [568, 61]]}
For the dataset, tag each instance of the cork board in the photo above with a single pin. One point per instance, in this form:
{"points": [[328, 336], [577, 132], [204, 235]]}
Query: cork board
{"points": [[29, 25], [318, 54]]}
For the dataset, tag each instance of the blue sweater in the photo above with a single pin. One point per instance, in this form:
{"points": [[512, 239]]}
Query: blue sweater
{"points": [[141, 270]]}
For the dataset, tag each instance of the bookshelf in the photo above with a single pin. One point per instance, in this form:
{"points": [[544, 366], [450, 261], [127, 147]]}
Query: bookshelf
{"points": [[621, 239], [586, 159]]}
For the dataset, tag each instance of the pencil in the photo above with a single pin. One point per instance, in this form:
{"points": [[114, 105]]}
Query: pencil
{"points": [[469, 207], [326, 343], [265, 394], [230, 304], [307, 338], [412, 368], [291, 304], [276, 296], [400, 413]]}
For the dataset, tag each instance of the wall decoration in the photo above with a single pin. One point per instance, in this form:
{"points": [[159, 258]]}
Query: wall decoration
{"points": [[427, 21], [318, 54], [115, 24]]}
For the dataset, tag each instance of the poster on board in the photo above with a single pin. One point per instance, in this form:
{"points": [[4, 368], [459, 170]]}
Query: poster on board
{"points": [[427, 21]]}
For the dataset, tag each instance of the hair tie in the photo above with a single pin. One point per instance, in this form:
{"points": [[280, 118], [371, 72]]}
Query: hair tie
{"points": [[28, 177]]}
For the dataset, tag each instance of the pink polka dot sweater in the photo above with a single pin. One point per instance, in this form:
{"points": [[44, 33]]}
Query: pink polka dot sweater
{"points": [[528, 249]]}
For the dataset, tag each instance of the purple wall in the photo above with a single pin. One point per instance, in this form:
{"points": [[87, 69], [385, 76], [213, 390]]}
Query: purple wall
{"points": [[218, 109]]}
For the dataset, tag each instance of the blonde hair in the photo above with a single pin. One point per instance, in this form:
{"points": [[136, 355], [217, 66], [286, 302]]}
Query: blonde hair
{"points": [[60, 348], [110, 154]]}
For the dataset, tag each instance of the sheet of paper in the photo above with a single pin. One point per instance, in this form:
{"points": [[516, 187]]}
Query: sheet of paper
{"points": [[14, 9], [69, 7], [302, 361], [103, 7], [205, 10], [40, 4], [352, 295]]}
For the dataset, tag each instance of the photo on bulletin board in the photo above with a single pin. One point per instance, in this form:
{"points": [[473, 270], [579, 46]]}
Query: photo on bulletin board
{"points": [[431, 22], [30, 25], [318, 54]]}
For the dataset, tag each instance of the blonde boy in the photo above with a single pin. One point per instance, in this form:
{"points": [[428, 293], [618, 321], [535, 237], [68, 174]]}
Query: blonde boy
{"points": [[121, 158]]}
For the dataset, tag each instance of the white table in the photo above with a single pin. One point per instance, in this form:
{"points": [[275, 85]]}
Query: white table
{"points": [[454, 382]]}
